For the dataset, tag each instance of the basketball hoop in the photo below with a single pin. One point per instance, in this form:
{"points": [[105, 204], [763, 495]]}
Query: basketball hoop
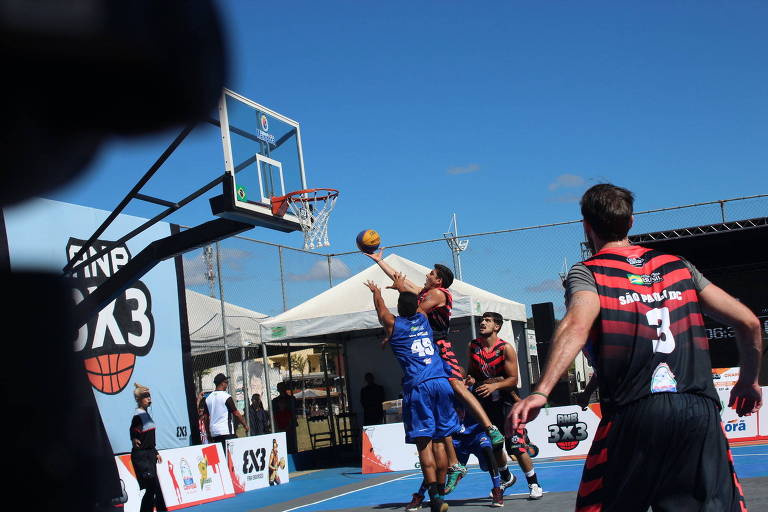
{"points": [[312, 207]]}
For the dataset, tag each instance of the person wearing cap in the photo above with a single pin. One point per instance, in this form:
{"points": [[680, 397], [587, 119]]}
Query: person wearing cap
{"points": [[218, 411], [144, 454]]}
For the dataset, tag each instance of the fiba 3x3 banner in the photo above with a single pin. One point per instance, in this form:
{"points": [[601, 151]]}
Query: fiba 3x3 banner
{"points": [[136, 338]]}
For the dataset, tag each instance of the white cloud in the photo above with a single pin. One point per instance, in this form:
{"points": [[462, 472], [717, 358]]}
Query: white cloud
{"points": [[567, 181], [464, 170], [319, 271]]}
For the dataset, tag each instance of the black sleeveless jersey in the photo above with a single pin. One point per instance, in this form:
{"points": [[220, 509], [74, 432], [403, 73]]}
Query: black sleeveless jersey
{"points": [[649, 337], [440, 317]]}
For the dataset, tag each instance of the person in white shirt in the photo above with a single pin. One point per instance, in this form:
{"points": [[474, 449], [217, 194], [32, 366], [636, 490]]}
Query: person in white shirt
{"points": [[218, 411]]}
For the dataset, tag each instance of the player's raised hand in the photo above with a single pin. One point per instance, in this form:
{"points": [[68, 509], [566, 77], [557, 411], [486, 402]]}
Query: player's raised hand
{"points": [[372, 286], [375, 256], [525, 411], [746, 398], [398, 282]]}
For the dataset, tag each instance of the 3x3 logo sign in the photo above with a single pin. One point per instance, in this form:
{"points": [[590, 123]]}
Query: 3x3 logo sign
{"points": [[125, 329]]}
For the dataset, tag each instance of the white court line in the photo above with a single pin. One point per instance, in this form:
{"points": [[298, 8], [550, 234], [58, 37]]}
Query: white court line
{"points": [[345, 493], [480, 472]]}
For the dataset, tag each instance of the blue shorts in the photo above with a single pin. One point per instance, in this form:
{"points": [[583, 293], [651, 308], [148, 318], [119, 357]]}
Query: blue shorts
{"points": [[472, 444], [428, 411]]}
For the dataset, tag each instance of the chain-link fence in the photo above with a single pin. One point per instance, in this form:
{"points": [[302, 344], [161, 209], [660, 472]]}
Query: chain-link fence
{"points": [[246, 281]]}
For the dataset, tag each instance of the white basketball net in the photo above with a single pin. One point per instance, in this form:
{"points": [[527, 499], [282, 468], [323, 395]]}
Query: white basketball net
{"points": [[313, 210]]}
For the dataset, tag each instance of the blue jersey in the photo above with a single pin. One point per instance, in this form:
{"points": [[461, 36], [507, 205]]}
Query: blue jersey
{"points": [[411, 342]]}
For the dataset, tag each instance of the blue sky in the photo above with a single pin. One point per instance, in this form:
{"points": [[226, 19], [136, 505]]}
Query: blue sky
{"points": [[503, 112]]}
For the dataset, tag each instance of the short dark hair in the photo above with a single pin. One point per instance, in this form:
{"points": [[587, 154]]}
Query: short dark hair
{"points": [[608, 210], [407, 304], [445, 274], [497, 318]]}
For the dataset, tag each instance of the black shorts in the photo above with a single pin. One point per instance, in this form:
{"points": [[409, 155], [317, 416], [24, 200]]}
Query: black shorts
{"points": [[497, 412], [667, 451]]}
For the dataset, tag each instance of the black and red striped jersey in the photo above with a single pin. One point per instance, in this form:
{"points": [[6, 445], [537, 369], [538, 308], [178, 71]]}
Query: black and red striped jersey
{"points": [[440, 317], [489, 363], [649, 337], [486, 363]]}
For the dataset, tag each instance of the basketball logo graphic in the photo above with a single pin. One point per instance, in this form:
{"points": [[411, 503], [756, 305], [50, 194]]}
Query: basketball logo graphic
{"points": [[122, 331], [264, 123], [568, 431]]}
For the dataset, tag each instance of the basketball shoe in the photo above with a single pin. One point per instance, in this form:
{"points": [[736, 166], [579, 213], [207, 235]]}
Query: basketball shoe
{"points": [[415, 503]]}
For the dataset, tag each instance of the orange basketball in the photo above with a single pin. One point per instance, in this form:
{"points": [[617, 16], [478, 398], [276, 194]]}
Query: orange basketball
{"points": [[110, 373]]}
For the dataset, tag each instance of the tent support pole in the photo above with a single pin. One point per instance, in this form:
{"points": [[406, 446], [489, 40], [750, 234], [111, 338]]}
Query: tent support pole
{"points": [[268, 386]]}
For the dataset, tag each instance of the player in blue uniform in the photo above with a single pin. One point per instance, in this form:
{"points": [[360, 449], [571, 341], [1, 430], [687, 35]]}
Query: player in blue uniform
{"points": [[471, 439], [428, 413]]}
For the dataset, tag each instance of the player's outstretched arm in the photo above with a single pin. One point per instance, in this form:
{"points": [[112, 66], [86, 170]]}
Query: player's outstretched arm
{"points": [[378, 257], [570, 337], [386, 318], [746, 395]]}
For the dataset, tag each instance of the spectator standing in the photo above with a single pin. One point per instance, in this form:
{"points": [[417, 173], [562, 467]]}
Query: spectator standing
{"points": [[284, 409], [219, 410], [372, 398], [259, 418], [144, 455]]}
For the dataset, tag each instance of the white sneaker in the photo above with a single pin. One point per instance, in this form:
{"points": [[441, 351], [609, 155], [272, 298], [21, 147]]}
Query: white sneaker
{"points": [[536, 492]]}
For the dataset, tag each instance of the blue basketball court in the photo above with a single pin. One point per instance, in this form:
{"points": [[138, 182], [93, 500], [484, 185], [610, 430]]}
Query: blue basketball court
{"points": [[347, 489]]}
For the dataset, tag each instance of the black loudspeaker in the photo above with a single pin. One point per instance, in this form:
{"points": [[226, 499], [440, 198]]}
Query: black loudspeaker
{"points": [[544, 323]]}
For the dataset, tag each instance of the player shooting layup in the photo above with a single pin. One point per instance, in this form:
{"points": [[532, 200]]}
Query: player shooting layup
{"points": [[435, 301], [428, 414]]}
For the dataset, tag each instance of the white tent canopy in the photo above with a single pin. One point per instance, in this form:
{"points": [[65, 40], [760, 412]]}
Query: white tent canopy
{"points": [[348, 306], [205, 327]]}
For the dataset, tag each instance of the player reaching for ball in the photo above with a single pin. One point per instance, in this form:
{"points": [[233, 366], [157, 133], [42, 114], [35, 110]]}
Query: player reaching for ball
{"points": [[435, 301], [428, 414]]}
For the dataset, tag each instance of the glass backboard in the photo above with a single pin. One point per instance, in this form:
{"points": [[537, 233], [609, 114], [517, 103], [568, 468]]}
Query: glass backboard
{"points": [[262, 155]]}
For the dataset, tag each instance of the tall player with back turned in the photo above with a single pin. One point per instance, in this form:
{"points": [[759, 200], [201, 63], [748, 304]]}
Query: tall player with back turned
{"points": [[660, 442], [436, 302]]}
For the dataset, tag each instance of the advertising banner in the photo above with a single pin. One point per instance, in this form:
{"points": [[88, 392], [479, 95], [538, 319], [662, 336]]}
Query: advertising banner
{"points": [[130, 484], [257, 461], [136, 338], [194, 475], [762, 415], [725, 378], [556, 432], [562, 431], [736, 427]]}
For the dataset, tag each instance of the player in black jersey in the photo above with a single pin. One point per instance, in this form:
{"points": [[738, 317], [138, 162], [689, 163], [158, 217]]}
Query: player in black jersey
{"points": [[660, 442], [493, 367]]}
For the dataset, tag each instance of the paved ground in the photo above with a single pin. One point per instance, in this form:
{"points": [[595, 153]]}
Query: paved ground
{"points": [[348, 490]]}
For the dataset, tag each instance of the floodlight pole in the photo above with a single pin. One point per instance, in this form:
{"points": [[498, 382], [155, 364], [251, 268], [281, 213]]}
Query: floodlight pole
{"points": [[223, 312], [455, 245]]}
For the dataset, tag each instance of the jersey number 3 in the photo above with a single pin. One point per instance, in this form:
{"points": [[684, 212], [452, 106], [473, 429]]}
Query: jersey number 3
{"points": [[422, 347], [659, 318]]}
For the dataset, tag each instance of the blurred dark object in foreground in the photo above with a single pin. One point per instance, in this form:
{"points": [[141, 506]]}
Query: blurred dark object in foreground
{"points": [[78, 71], [74, 73]]}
